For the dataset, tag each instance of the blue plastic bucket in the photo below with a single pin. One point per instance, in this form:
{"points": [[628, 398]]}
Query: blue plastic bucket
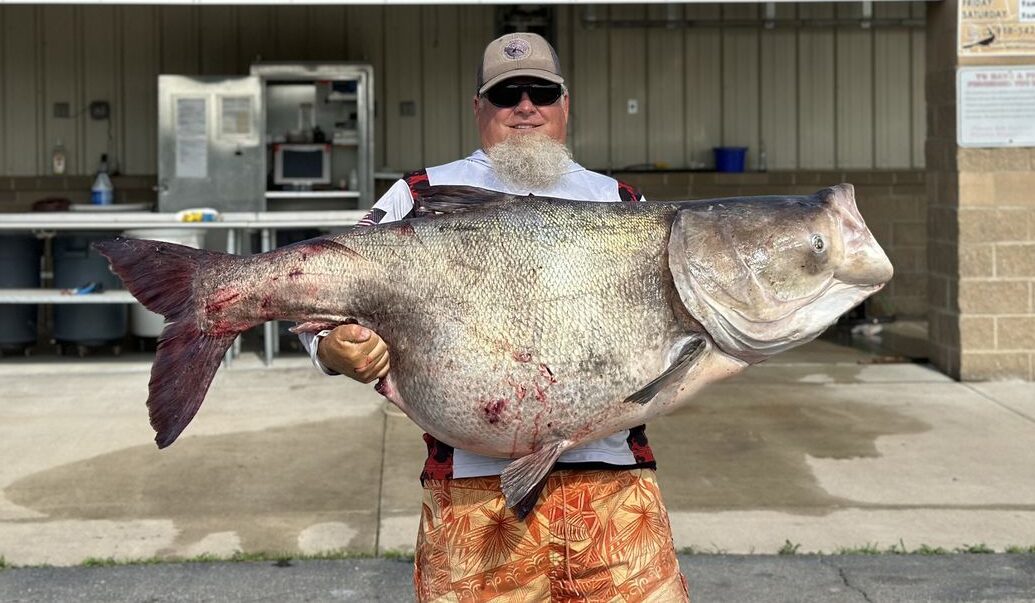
{"points": [[729, 159]]}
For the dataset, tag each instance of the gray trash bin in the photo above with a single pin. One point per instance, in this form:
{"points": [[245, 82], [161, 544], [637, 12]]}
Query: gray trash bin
{"points": [[19, 269], [76, 263]]}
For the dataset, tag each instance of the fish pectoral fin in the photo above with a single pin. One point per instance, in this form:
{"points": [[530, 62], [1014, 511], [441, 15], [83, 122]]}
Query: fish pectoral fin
{"points": [[673, 375], [317, 326], [459, 199], [523, 480]]}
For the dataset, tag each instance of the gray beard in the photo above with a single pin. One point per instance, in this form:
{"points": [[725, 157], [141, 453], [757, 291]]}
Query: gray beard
{"points": [[530, 161]]}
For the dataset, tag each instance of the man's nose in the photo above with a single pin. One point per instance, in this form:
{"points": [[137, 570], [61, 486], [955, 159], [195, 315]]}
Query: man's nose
{"points": [[525, 105]]}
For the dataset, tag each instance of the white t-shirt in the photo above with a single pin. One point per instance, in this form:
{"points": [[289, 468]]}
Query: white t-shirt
{"points": [[576, 183]]}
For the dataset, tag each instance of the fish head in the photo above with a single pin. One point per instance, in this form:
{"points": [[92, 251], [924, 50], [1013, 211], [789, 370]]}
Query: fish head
{"points": [[764, 274]]}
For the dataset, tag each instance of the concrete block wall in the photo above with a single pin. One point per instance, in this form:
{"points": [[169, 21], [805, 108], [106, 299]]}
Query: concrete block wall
{"points": [[893, 203], [981, 230], [982, 259]]}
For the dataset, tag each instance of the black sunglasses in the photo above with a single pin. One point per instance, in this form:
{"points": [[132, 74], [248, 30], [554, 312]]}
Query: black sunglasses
{"points": [[509, 95]]}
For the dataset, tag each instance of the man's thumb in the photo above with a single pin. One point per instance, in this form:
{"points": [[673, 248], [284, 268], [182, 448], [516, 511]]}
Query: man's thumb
{"points": [[356, 333]]}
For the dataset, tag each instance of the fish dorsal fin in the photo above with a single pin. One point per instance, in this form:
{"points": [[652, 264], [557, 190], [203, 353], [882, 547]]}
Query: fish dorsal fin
{"points": [[673, 375], [448, 199]]}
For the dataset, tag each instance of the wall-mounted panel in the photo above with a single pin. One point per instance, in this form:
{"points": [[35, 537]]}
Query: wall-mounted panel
{"points": [[365, 43], [590, 101], [404, 102], [60, 84], [854, 92], [256, 39], [327, 38], [664, 103], [476, 30], [139, 94], [98, 66], [702, 87], [440, 75], [628, 85], [179, 29], [778, 100], [892, 110], [218, 47], [918, 61], [740, 81], [816, 91]]}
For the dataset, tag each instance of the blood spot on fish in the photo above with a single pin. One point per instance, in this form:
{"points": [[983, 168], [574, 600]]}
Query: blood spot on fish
{"points": [[405, 229], [493, 410], [540, 394], [221, 300], [297, 272], [318, 246], [267, 306], [225, 327], [522, 356], [546, 372]]}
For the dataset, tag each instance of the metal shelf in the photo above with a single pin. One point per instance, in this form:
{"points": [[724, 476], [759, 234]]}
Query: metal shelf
{"points": [[61, 296], [312, 194]]}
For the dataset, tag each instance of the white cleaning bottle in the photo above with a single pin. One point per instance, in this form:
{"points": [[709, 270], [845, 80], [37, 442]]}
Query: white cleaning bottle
{"points": [[102, 192]]}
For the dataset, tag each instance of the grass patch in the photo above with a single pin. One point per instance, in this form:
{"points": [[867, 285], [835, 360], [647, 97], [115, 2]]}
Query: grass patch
{"points": [[714, 550], [979, 549], [3, 563], [789, 548], [1012, 550], [280, 559], [928, 550]]}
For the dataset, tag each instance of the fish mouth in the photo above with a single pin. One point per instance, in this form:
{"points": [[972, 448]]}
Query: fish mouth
{"points": [[800, 321]]}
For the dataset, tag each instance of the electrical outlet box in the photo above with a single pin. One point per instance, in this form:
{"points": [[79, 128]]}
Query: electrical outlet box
{"points": [[100, 110], [633, 106]]}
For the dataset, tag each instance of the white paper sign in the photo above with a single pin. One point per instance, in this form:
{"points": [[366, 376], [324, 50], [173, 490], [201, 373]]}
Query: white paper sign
{"points": [[1026, 11], [191, 137], [235, 119], [995, 106]]}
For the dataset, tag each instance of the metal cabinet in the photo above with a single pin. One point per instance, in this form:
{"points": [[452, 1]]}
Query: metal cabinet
{"points": [[289, 136]]}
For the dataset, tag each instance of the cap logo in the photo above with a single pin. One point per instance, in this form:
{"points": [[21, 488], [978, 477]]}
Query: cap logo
{"points": [[516, 49]]}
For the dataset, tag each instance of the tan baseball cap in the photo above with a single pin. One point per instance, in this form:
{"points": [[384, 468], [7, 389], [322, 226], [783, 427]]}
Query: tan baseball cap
{"points": [[516, 55]]}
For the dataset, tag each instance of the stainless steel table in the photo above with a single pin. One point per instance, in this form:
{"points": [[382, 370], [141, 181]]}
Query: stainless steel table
{"points": [[234, 223]]}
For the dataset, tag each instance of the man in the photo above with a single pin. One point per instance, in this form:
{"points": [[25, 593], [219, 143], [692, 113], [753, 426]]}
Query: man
{"points": [[599, 531]]}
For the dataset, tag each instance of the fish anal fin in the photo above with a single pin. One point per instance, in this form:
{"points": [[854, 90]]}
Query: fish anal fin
{"points": [[523, 480], [674, 374]]}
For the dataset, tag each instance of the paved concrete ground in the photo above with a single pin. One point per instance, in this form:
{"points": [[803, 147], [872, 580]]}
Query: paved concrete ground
{"points": [[712, 578], [826, 448]]}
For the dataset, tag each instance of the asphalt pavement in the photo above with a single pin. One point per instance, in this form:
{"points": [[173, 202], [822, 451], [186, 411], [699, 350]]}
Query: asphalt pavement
{"points": [[712, 578]]}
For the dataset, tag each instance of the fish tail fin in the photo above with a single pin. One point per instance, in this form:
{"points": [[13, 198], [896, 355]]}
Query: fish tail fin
{"points": [[523, 480], [161, 276]]}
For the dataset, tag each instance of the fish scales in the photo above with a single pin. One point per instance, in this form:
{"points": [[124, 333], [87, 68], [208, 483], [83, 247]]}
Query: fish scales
{"points": [[521, 327]]}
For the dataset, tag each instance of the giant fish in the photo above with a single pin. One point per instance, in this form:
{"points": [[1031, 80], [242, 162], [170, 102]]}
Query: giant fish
{"points": [[520, 327]]}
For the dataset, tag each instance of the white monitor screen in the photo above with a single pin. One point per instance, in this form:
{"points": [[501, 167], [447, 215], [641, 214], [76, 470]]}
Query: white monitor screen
{"points": [[302, 164]]}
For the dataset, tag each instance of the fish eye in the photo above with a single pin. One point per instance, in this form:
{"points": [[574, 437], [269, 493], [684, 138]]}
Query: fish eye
{"points": [[818, 244]]}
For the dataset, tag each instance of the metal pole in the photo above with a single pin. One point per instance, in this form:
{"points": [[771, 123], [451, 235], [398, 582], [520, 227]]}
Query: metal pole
{"points": [[270, 327]]}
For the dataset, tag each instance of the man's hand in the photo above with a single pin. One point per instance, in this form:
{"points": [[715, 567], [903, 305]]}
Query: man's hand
{"points": [[354, 351]]}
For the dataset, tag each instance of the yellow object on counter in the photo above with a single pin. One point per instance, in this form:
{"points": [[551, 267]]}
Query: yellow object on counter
{"points": [[198, 214]]}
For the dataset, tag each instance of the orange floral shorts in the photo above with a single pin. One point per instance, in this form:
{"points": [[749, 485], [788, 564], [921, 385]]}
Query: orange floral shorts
{"points": [[593, 536]]}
